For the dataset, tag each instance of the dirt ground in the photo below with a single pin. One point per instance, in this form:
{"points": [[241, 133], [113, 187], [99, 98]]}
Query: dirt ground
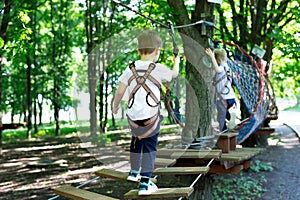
{"points": [[31, 169]]}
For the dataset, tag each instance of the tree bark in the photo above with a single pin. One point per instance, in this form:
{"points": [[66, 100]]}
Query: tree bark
{"points": [[91, 67], [199, 74], [199, 80]]}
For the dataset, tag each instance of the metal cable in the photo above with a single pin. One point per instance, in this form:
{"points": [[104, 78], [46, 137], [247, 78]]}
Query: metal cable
{"points": [[165, 25], [89, 181]]}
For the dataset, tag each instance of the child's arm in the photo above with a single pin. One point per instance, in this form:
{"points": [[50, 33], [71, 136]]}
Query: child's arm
{"points": [[118, 97], [176, 67], [213, 60]]}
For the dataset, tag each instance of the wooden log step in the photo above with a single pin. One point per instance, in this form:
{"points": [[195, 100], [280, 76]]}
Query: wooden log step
{"points": [[168, 153], [116, 175], [180, 170], [79, 194], [161, 193], [196, 154], [240, 154], [164, 162]]}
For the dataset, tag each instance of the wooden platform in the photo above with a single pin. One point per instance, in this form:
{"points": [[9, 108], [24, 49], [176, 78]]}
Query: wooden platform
{"points": [[235, 161], [161, 193], [265, 130], [241, 154], [180, 170], [79, 194], [188, 153]]}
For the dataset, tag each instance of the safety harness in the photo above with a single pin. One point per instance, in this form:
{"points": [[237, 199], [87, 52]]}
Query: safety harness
{"points": [[141, 82], [144, 128], [215, 82]]}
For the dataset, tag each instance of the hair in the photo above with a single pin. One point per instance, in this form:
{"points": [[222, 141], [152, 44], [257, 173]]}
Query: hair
{"points": [[148, 41], [220, 55]]}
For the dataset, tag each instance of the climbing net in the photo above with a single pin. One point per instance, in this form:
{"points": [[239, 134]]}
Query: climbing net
{"points": [[252, 87]]}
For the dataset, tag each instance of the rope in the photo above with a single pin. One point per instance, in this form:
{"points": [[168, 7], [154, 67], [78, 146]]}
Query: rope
{"points": [[165, 25], [89, 181], [252, 87], [199, 176]]}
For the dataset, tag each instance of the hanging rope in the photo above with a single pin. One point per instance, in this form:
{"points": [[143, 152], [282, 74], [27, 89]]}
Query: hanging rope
{"points": [[165, 25]]}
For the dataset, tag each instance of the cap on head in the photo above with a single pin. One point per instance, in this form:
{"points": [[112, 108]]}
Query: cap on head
{"points": [[148, 41]]}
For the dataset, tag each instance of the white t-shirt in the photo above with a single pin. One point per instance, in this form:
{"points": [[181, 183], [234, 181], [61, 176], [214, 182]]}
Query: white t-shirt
{"points": [[224, 86], [140, 109]]}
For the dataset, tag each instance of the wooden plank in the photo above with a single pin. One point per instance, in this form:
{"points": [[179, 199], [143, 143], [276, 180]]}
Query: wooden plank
{"points": [[180, 170], [228, 135], [116, 175], [197, 154], [240, 154], [265, 130], [79, 194], [164, 162], [161, 193], [220, 169], [167, 153], [11, 126]]}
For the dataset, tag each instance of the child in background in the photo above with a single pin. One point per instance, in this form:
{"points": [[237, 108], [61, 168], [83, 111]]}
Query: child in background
{"points": [[222, 82], [143, 79]]}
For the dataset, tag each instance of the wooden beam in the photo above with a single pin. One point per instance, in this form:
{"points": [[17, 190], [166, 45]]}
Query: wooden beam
{"points": [[220, 169], [265, 130], [180, 170], [11, 126], [240, 154], [164, 162], [169, 153], [116, 175], [161, 193], [79, 194]]}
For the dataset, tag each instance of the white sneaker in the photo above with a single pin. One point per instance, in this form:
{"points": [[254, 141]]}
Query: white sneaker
{"points": [[146, 187], [134, 176]]}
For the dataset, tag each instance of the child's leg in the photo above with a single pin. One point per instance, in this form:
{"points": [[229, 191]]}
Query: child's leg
{"points": [[135, 153], [146, 186], [149, 155], [221, 115]]}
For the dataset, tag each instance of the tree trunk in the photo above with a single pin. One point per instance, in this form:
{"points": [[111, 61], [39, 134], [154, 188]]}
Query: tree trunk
{"points": [[199, 80], [91, 67], [29, 100], [199, 74], [3, 31]]}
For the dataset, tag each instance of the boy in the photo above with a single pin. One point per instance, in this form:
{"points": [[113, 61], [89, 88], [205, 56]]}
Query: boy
{"points": [[222, 81], [143, 79]]}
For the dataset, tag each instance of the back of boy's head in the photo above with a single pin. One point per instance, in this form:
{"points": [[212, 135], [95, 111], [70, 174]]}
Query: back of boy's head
{"points": [[220, 55], [148, 41]]}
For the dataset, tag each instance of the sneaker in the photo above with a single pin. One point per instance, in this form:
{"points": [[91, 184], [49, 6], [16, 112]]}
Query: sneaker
{"points": [[134, 176], [146, 186]]}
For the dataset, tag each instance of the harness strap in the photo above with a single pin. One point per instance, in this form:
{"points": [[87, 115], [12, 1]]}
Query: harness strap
{"points": [[141, 82], [219, 80]]}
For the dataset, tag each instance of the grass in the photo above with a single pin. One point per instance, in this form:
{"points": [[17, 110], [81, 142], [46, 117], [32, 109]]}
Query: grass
{"points": [[66, 128], [294, 108], [249, 184]]}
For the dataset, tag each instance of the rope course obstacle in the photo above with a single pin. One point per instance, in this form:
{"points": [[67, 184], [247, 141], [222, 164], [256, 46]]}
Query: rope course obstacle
{"points": [[253, 87]]}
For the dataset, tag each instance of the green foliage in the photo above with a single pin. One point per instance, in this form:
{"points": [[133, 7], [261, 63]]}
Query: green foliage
{"points": [[50, 36], [100, 139], [239, 187], [259, 166]]}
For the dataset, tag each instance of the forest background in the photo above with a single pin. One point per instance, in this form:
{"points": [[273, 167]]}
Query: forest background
{"points": [[55, 51]]}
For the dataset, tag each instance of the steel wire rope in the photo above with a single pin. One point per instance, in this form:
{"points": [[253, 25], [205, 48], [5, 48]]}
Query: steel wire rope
{"points": [[89, 181]]}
